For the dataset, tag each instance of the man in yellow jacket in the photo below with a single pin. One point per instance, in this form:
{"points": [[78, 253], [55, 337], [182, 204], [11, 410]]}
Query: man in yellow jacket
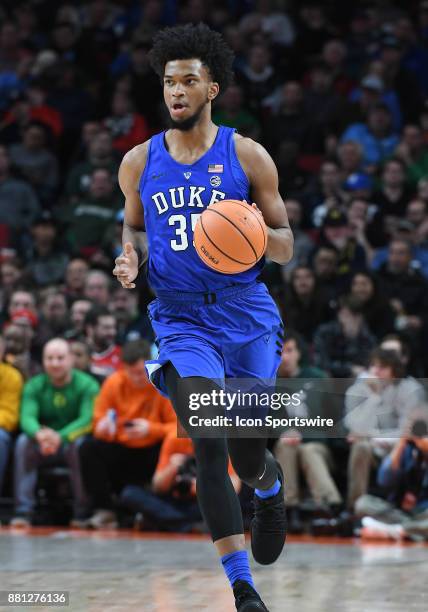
{"points": [[10, 396]]}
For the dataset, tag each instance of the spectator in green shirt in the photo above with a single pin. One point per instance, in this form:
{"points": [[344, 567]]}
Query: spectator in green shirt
{"points": [[89, 218], [100, 155], [413, 151], [56, 411], [231, 111]]}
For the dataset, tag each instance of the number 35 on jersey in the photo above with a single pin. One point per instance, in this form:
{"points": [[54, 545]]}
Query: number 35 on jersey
{"points": [[181, 197]]}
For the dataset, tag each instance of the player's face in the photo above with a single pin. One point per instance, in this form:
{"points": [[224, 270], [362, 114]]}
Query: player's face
{"points": [[188, 90]]}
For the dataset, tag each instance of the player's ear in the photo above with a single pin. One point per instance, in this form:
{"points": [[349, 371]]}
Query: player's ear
{"points": [[213, 91]]}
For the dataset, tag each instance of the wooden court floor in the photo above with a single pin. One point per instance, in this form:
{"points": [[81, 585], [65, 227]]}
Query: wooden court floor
{"points": [[132, 572]]}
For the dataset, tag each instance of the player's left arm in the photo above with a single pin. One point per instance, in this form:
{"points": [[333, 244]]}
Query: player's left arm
{"points": [[263, 177]]}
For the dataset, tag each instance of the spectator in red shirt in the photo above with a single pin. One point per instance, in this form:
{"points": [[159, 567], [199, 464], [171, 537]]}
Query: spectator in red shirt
{"points": [[21, 299], [127, 127], [101, 330]]}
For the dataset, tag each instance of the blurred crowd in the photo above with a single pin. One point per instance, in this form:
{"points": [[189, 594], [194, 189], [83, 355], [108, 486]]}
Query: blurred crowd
{"points": [[337, 92]]}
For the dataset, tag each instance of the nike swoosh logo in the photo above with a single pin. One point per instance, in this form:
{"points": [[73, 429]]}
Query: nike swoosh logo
{"points": [[264, 472]]}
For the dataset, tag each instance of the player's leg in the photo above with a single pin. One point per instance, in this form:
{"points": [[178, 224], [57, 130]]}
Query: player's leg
{"points": [[258, 361], [217, 498]]}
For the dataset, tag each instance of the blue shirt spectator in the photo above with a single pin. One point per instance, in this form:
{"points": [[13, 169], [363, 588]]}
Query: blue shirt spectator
{"points": [[376, 136], [372, 85], [419, 254]]}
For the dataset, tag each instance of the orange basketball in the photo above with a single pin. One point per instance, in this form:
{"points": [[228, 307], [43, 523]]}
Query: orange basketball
{"points": [[230, 236]]}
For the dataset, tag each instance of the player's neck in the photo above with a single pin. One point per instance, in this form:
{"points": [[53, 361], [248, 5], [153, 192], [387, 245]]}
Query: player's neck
{"points": [[195, 141]]}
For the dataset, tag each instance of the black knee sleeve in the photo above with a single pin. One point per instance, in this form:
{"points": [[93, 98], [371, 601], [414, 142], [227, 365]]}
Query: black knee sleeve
{"points": [[254, 464], [217, 499]]}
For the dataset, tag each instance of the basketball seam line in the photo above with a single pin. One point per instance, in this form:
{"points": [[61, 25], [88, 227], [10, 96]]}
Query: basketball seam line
{"points": [[239, 230], [222, 252], [256, 217], [236, 227]]}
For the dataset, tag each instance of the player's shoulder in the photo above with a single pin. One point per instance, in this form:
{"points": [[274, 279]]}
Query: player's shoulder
{"points": [[248, 147], [251, 154], [137, 156], [133, 164]]}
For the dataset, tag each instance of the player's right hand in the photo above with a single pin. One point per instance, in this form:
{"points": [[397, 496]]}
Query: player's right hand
{"points": [[126, 267]]}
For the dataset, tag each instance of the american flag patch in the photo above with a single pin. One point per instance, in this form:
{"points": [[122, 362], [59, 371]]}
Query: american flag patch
{"points": [[217, 168]]}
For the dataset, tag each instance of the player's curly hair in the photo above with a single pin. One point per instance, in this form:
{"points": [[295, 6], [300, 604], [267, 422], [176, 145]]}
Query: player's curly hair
{"points": [[194, 41]]}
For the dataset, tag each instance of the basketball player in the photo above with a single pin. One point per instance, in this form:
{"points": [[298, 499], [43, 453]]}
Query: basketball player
{"points": [[208, 325]]}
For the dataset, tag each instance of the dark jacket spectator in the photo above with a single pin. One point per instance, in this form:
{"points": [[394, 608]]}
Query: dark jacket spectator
{"points": [[44, 253], [405, 287], [394, 194], [19, 205], [342, 347], [291, 121], [337, 233], [36, 163], [305, 307], [377, 312], [257, 77]]}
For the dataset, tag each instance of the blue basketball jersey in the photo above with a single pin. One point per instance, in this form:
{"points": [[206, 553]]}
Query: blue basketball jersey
{"points": [[174, 195]]}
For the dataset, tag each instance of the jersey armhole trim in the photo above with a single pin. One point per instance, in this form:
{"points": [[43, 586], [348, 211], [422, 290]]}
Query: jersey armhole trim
{"points": [[236, 164], [144, 173]]}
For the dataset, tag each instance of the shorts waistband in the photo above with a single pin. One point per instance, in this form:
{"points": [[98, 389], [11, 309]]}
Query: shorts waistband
{"points": [[206, 297]]}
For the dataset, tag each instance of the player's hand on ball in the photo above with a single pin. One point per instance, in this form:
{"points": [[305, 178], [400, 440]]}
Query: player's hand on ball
{"points": [[254, 205], [126, 267]]}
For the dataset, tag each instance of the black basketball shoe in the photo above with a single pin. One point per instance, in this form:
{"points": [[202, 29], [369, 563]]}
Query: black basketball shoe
{"points": [[246, 598], [269, 525]]}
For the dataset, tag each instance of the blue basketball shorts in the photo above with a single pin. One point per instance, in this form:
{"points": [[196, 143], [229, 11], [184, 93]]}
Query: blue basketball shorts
{"points": [[233, 333]]}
